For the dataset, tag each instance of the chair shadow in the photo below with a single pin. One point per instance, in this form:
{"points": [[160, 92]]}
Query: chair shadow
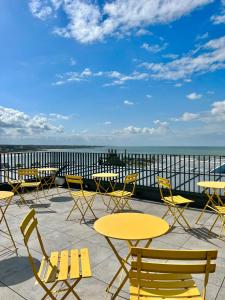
{"points": [[129, 211], [60, 199], [15, 270], [203, 234]]}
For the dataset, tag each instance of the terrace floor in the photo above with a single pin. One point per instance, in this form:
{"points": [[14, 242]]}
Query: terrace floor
{"points": [[16, 278]]}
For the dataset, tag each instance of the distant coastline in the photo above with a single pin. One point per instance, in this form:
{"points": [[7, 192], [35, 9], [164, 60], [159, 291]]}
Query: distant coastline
{"points": [[22, 148]]}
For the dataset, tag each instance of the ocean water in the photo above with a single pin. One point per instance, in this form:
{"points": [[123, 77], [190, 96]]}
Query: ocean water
{"points": [[151, 150]]}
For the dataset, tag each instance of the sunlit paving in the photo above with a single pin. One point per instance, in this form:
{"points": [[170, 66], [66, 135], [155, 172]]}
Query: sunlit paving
{"points": [[71, 242]]}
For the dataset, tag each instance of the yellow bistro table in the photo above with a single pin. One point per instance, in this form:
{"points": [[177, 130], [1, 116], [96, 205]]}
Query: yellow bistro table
{"points": [[131, 228], [6, 197], [111, 177], [50, 180], [214, 197]]}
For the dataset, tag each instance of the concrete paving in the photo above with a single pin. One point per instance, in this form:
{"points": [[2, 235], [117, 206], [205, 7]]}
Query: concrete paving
{"points": [[17, 280]]}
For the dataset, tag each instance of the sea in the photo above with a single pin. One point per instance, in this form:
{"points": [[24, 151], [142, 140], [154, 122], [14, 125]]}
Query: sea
{"points": [[174, 150]]}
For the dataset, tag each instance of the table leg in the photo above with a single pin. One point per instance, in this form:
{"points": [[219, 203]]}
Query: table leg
{"points": [[3, 212], [123, 263], [210, 200]]}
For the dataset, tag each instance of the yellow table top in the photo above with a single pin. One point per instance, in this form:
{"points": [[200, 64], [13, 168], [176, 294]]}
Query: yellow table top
{"points": [[47, 169], [105, 175], [212, 184], [131, 226], [4, 195]]}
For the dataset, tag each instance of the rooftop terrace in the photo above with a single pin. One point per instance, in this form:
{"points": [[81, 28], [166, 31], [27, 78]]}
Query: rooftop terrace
{"points": [[16, 278]]}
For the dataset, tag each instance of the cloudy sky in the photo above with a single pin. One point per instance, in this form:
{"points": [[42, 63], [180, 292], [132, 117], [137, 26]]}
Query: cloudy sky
{"points": [[118, 72]]}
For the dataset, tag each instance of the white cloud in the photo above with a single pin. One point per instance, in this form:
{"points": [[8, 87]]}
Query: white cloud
{"points": [[59, 116], [187, 117], [218, 110], [142, 32], [219, 19], [160, 129], [127, 102], [194, 96], [89, 21], [154, 48], [14, 122], [72, 61], [211, 58], [107, 123], [148, 96], [210, 92], [40, 9], [202, 36], [171, 56], [117, 77]]}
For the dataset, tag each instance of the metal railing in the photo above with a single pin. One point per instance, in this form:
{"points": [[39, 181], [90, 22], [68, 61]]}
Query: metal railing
{"points": [[184, 171]]}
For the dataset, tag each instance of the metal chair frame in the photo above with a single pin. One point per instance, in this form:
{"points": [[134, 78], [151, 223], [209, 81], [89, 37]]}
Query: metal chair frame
{"points": [[4, 219], [23, 175], [120, 198], [173, 202], [57, 269], [153, 276], [83, 200]]}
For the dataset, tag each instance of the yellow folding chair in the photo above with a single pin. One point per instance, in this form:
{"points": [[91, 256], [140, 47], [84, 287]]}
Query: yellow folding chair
{"points": [[29, 179], [83, 200], [120, 198], [153, 277], [14, 184], [65, 268], [175, 204], [220, 211]]}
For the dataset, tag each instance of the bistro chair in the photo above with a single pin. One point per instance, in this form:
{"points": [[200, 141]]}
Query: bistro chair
{"points": [[62, 268], [120, 198], [153, 276], [15, 185], [175, 204], [220, 211], [83, 200], [29, 180]]}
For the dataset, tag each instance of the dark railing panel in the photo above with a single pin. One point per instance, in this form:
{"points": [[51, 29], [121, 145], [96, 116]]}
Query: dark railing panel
{"points": [[184, 171]]}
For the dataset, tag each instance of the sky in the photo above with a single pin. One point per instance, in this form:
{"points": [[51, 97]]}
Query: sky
{"points": [[119, 72]]}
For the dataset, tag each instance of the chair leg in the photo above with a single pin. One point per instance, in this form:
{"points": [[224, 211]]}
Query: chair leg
{"points": [[214, 223]]}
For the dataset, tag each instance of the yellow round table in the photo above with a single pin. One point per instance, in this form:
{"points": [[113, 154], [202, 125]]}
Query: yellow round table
{"points": [[132, 228], [4, 195], [7, 197], [49, 176], [214, 197], [111, 177]]}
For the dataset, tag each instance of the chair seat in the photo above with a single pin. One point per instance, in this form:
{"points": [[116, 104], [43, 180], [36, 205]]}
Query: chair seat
{"points": [[30, 184], [220, 209], [120, 193], [16, 181], [165, 286], [178, 200], [83, 194], [65, 265]]}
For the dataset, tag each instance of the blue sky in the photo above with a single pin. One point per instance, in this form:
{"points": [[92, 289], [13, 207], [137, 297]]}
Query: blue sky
{"points": [[120, 72]]}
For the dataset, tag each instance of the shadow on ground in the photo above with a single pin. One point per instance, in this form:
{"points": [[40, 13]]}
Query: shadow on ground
{"points": [[15, 270]]}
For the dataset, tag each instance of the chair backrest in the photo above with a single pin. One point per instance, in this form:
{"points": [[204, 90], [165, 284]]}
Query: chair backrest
{"points": [[23, 173], [130, 179], [74, 179], [143, 264], [164, 185], [28, 227]]}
